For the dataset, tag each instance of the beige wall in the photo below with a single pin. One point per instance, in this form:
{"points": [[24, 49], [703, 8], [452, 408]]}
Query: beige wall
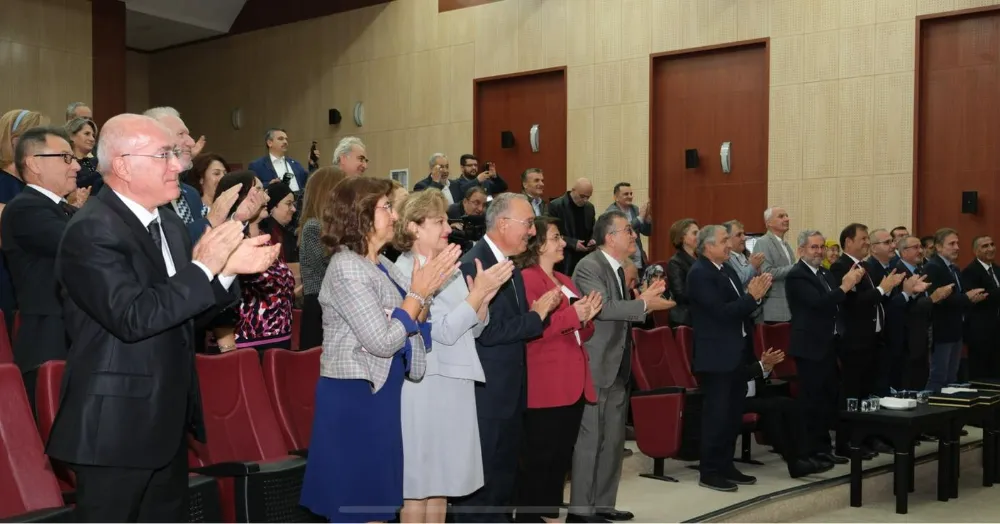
{"points": [[45, 58], [841, 104], [136, 82]]}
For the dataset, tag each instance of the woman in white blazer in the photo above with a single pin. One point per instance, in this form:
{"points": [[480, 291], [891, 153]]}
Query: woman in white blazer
{"points": [[441, 450]]}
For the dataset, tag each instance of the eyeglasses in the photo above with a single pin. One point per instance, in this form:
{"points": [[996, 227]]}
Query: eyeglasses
{"points": [[67, 157], [165, 155], [556, 237], [525, 223], [626, 229], [387, 207]]}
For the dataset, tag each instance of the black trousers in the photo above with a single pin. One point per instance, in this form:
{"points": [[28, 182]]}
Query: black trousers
{"points": [[984, 358], [722, 419], [818, 397], [546, 455], [859, 379], [311, 330], [30, 379], [500, 439], [782, 422], [117, 494]]}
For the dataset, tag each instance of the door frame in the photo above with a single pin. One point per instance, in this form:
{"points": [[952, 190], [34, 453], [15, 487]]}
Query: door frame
{"points": [[918, 54], [683, 53]]}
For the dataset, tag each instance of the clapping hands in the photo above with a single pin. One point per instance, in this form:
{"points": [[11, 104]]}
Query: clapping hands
{"points": [[771, 358], [759, 286], [588, 307]]}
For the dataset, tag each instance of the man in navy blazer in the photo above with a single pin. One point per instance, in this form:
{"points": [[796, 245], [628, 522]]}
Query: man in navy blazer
{"points": [[720, 315], [502, 399], [276, 165]]}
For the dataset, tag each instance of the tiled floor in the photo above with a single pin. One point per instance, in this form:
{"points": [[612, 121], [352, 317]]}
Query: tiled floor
{"points": [[658, 501]]}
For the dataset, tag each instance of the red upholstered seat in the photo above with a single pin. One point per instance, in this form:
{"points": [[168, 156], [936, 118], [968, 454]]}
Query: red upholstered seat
{"points": [[47, 388], [291, 378], [651, 364], [6, 352], [659, 402], [260, 481], [28, 488], [684, 335]]}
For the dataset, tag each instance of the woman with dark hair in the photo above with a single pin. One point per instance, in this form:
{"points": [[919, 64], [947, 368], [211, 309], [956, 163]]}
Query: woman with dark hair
{"points": [[207, 169], [313, 255], [263, 319], [559, 380], [373, 339], [684, 237]]}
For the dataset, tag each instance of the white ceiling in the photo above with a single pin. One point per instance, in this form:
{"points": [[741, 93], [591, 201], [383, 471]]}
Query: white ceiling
{"points": [[155, 24]]}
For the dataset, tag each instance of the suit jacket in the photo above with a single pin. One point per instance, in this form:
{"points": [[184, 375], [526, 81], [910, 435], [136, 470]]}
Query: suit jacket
{"points": [[266, 173], [982, 318], [678, 268], [861, 307], [775, 306], [130, 390], [613, 324], [501, 345], [558, 364], [814, 310], [947, 314], [492, 186], [909, 321], [31, 228], [720, 316], [196, 228], [560, 208], [453, 187], [640, 228]]}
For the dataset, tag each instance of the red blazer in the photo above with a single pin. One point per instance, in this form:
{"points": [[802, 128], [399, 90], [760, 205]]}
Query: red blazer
{"points": [[558, 366]]}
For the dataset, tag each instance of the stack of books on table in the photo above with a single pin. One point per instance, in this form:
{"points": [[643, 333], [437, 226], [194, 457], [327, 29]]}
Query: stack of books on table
{"points": [[986, 384], [964, 398]]}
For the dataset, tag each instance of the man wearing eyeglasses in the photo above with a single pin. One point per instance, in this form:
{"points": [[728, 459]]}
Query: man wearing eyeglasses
{"points": [[33, 223], [134, 287]]}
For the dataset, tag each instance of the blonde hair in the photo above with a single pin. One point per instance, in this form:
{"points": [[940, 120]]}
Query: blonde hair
{"points": [[13, 124], [417, 208], [317, 194]]}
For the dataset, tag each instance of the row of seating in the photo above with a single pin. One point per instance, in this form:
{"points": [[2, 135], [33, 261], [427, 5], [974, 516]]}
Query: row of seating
{"points": [[258, 417], [6, 351]]}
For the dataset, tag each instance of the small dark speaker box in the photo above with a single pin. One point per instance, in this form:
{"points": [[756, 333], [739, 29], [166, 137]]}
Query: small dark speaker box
{"points": [[506, 139], [970, 202], [691, 159], [334, 117]]}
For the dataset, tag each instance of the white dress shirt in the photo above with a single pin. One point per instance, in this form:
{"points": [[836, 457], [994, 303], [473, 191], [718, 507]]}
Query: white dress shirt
{"points": [[146, 218], [500, 258], [52, 196], [282, 167], [878, 322], [447, 192], [989, 270], [743, 326], [752, 385]]}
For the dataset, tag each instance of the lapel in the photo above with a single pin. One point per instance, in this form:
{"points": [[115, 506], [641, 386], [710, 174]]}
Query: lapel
{"points": [[270, 165], [142, 236], [609, 273], [34, 193], [175, 240], [514, 286], [732, 279]]}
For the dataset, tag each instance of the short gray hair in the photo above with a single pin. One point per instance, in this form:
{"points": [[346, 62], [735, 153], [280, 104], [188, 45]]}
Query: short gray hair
{"points": [[500, 207], [122, 136], [71, 109], [434, 157], [902, 240], [706, 236], [879, 230], [732, 224], [604, 223], [269, 134], [344, 148], [157, 113], [768, 213], [806, 234]]}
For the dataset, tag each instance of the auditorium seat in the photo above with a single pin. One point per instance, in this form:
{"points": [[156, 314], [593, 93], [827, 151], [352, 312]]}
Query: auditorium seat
{"points": [[29, 491], [203, 492], [296, 328], [778, 336], [656, 417], [291, 378], [260, 481], [684, 336], [6, 351]]}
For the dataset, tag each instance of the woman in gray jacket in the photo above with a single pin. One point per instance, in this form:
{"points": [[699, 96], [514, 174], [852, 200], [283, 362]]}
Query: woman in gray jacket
{"points": [[441, 450]]}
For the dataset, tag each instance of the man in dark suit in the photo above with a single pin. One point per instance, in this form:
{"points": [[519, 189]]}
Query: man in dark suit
{"points": [[908, 315], [863, 315], [473, 204], [133, 287], [641, 219], [897, 233], [438, 178], [501, 401], [984, 318], [576, 222], [814, 300], [276, 166], [533, 187], [33, 223], [720, 315], [948, 314], [488, 179]]}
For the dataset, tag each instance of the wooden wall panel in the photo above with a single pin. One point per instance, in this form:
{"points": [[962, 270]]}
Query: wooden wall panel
{"points": [[108, 46]]}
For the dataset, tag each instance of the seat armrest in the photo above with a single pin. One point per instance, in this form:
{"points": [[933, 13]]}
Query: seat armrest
{"points": [[304, 453], [63, 514], [660, 391], [228, 469]]}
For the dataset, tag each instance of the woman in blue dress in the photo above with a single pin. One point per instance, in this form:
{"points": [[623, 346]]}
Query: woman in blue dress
{"points": [[374, 335]]}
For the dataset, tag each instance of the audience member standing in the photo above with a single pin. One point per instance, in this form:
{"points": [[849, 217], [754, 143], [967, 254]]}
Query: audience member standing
{"points": [[314, 256], [576, 223], [641, 219], [350, 156], [134, 288], [983, 320], [597, 456], [83, 138], [720, 316], [684, 237], [276, 166], [778, 261]]}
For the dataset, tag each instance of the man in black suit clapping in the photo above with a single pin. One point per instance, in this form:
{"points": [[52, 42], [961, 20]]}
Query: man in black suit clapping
{"points": [[33, 223], [134, 286], [984, 318], [720, 314]]}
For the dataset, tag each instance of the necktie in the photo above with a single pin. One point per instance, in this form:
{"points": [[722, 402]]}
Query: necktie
{"points": [[879, 312], [826, 286], [993, 276], [626, 363], [184, 210], [154, 231], [68, 208], [955, 275]]}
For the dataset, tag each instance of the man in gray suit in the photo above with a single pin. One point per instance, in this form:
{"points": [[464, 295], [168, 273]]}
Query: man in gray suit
{"points": [[597, 457], [641, 220], [779, 259]]}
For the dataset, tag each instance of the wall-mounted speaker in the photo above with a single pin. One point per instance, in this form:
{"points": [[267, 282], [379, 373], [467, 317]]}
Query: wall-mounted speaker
{"points": [[334, 117], [506, 139], [970, 202], [691, 159]]}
